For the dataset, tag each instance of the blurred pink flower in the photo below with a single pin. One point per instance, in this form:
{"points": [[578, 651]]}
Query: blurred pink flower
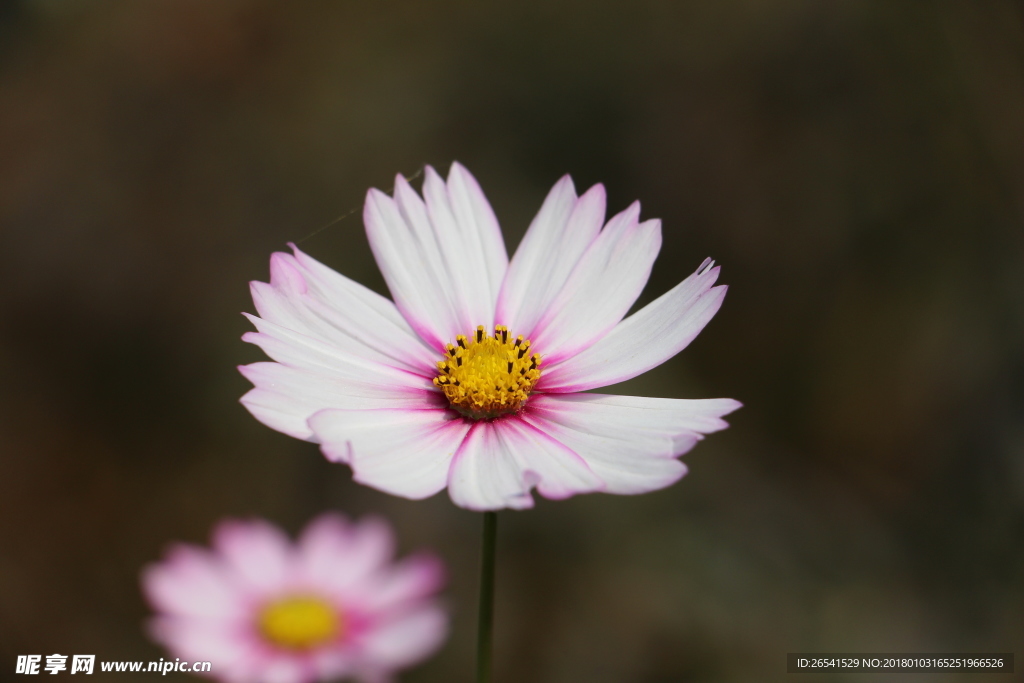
{"points": [[262, 609], [472, 378]]}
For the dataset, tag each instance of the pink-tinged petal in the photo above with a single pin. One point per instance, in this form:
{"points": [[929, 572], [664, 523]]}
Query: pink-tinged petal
{"points": [[499, 462], [371, 545], [629, 441], [392, 334], [485, 476], [601, 287], [228, 649], [405, 640], [191, 582], [332, 665], [556, 239], [645, 339], [210, 603], [409, 581], [562, 472], [337, 555], [308, 297], [323, 542], [401, 452], [286, 397], [487, 259], [672, 416], [462, 267], [297, 350], [405, 244], [443, 259], [360, 378], [280, 412], [638, 464], [257, 553], [373, 675], [287, 670]]}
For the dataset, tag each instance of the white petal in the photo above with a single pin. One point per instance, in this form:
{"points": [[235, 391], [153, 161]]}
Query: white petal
{"points": [[444, 259], [280, 412], [285, 397], [562, 230], [408, 257], [297, 350], [292, 302], [405, 640], [309, 297], [479, 227], [402, 452], [630, 442], [484, 476], [602, 286], [500, 461], [315, 372], [645, 339]]}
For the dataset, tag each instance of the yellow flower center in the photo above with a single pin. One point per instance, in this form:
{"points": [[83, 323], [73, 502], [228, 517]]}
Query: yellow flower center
{"points": [[487, 376], [300, 622]]}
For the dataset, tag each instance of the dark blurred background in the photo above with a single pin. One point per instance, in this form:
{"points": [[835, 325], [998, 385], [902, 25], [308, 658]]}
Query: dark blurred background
{"points": [[857, 167]]}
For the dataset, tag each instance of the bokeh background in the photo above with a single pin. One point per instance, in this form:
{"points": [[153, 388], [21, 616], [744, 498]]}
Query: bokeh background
{"points": [[857, 167]]}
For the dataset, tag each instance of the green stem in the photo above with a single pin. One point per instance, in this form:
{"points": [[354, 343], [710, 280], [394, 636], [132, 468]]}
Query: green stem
{"points": [[485, 625]]}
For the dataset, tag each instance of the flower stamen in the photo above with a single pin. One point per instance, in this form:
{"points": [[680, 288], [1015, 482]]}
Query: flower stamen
{"points": [[300, 622], [488, 376]]}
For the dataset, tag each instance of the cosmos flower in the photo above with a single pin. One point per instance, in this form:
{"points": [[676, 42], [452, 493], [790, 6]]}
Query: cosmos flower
{"points": [[472, 378], [262, 609]]}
